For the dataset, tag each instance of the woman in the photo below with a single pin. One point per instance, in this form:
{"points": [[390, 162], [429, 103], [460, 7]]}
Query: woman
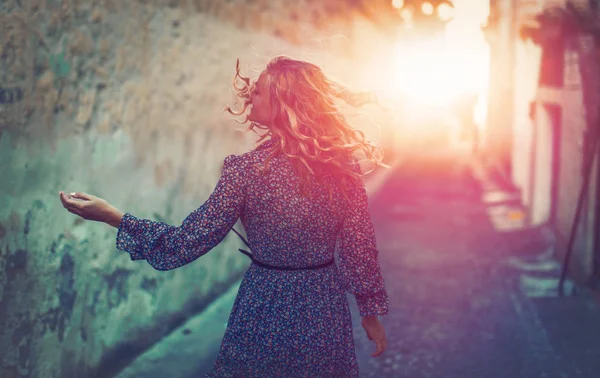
{"points": [[297, 194]]}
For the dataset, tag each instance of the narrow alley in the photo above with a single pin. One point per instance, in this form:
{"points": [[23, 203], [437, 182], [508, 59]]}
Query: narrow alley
{"points": [[126, 154]]}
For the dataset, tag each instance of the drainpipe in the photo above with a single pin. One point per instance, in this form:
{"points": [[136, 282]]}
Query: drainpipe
{"points": [[532, 160]]}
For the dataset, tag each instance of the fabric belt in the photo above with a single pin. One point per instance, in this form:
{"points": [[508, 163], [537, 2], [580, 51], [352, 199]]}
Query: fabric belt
{"points": [[320, 266]]}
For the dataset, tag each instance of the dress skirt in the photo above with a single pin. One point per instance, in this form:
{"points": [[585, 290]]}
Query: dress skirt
{"points": [[288, 324]]}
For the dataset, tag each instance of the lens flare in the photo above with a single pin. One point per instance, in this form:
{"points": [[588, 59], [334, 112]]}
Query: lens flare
{"points": [[397, 3], [406, 14], [445, 12], [427, 9]]}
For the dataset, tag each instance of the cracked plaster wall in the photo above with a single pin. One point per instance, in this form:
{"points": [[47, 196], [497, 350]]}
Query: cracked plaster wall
{"points": [[124, 100]]}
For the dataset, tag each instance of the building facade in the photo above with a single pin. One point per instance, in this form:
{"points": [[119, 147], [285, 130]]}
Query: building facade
{"points": [[546, 116]]}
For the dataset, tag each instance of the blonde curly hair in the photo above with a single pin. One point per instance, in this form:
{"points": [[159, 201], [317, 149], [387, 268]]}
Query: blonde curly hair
{"points": [[311, 130]]}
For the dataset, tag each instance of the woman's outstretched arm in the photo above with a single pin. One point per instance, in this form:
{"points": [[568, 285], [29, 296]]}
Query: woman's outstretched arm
{"points": [[114, 218], [167, 247]]}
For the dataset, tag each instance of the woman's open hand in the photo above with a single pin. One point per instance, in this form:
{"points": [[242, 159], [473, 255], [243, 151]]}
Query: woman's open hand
{"points": [[375, 332], [87, 206]]}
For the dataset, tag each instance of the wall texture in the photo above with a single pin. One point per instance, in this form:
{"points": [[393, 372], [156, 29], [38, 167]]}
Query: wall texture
{"points": [[124, 100]]}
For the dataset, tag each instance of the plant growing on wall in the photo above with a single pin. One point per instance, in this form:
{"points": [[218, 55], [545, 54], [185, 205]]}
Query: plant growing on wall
{"points": [[558, 23]]}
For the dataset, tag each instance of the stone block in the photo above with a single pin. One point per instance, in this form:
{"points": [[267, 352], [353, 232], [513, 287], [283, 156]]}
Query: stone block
{"points": [[86, 107], [97, 15], [81, 43]]}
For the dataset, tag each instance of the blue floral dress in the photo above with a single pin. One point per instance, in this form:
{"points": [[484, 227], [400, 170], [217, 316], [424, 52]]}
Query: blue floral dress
{"points": [[284, 323]]}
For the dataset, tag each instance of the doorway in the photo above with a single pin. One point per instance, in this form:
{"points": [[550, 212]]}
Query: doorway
{"points": [[546, 167]]}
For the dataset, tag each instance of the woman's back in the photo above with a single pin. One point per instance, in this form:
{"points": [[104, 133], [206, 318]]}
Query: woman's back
{"points": [[297, 323], [284, 227]]}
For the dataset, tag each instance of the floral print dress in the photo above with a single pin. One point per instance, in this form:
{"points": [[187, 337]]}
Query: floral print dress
{"points": [[284, 323]]}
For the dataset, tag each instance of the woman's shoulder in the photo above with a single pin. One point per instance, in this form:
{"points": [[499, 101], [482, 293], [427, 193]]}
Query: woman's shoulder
{"points": [[256, 154], [249, 159], [265, 145]]}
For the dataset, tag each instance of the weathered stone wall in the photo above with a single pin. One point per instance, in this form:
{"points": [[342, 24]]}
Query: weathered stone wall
{"points": [[124, 100]]}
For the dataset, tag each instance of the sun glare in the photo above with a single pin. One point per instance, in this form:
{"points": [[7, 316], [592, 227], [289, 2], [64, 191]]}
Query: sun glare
{"points": [[445, 12], [439, 69], [397, 3], [427, 8]]}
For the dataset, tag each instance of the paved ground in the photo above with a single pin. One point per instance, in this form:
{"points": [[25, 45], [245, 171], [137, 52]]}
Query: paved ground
{"points": [[466, 300]]}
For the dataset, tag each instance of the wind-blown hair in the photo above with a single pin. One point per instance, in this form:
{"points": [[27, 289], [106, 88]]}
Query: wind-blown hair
{"points": [[308, 125]]}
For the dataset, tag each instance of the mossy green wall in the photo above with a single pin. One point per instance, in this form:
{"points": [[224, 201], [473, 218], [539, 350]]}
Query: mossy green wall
{"points": [[122, 100]]}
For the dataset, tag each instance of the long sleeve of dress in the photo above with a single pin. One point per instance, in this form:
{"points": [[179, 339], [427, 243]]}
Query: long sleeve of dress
{"points": [[358, 253], [168, 247]]}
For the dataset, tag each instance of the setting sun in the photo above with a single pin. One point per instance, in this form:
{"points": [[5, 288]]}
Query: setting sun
{"points": [[436, 69]]}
